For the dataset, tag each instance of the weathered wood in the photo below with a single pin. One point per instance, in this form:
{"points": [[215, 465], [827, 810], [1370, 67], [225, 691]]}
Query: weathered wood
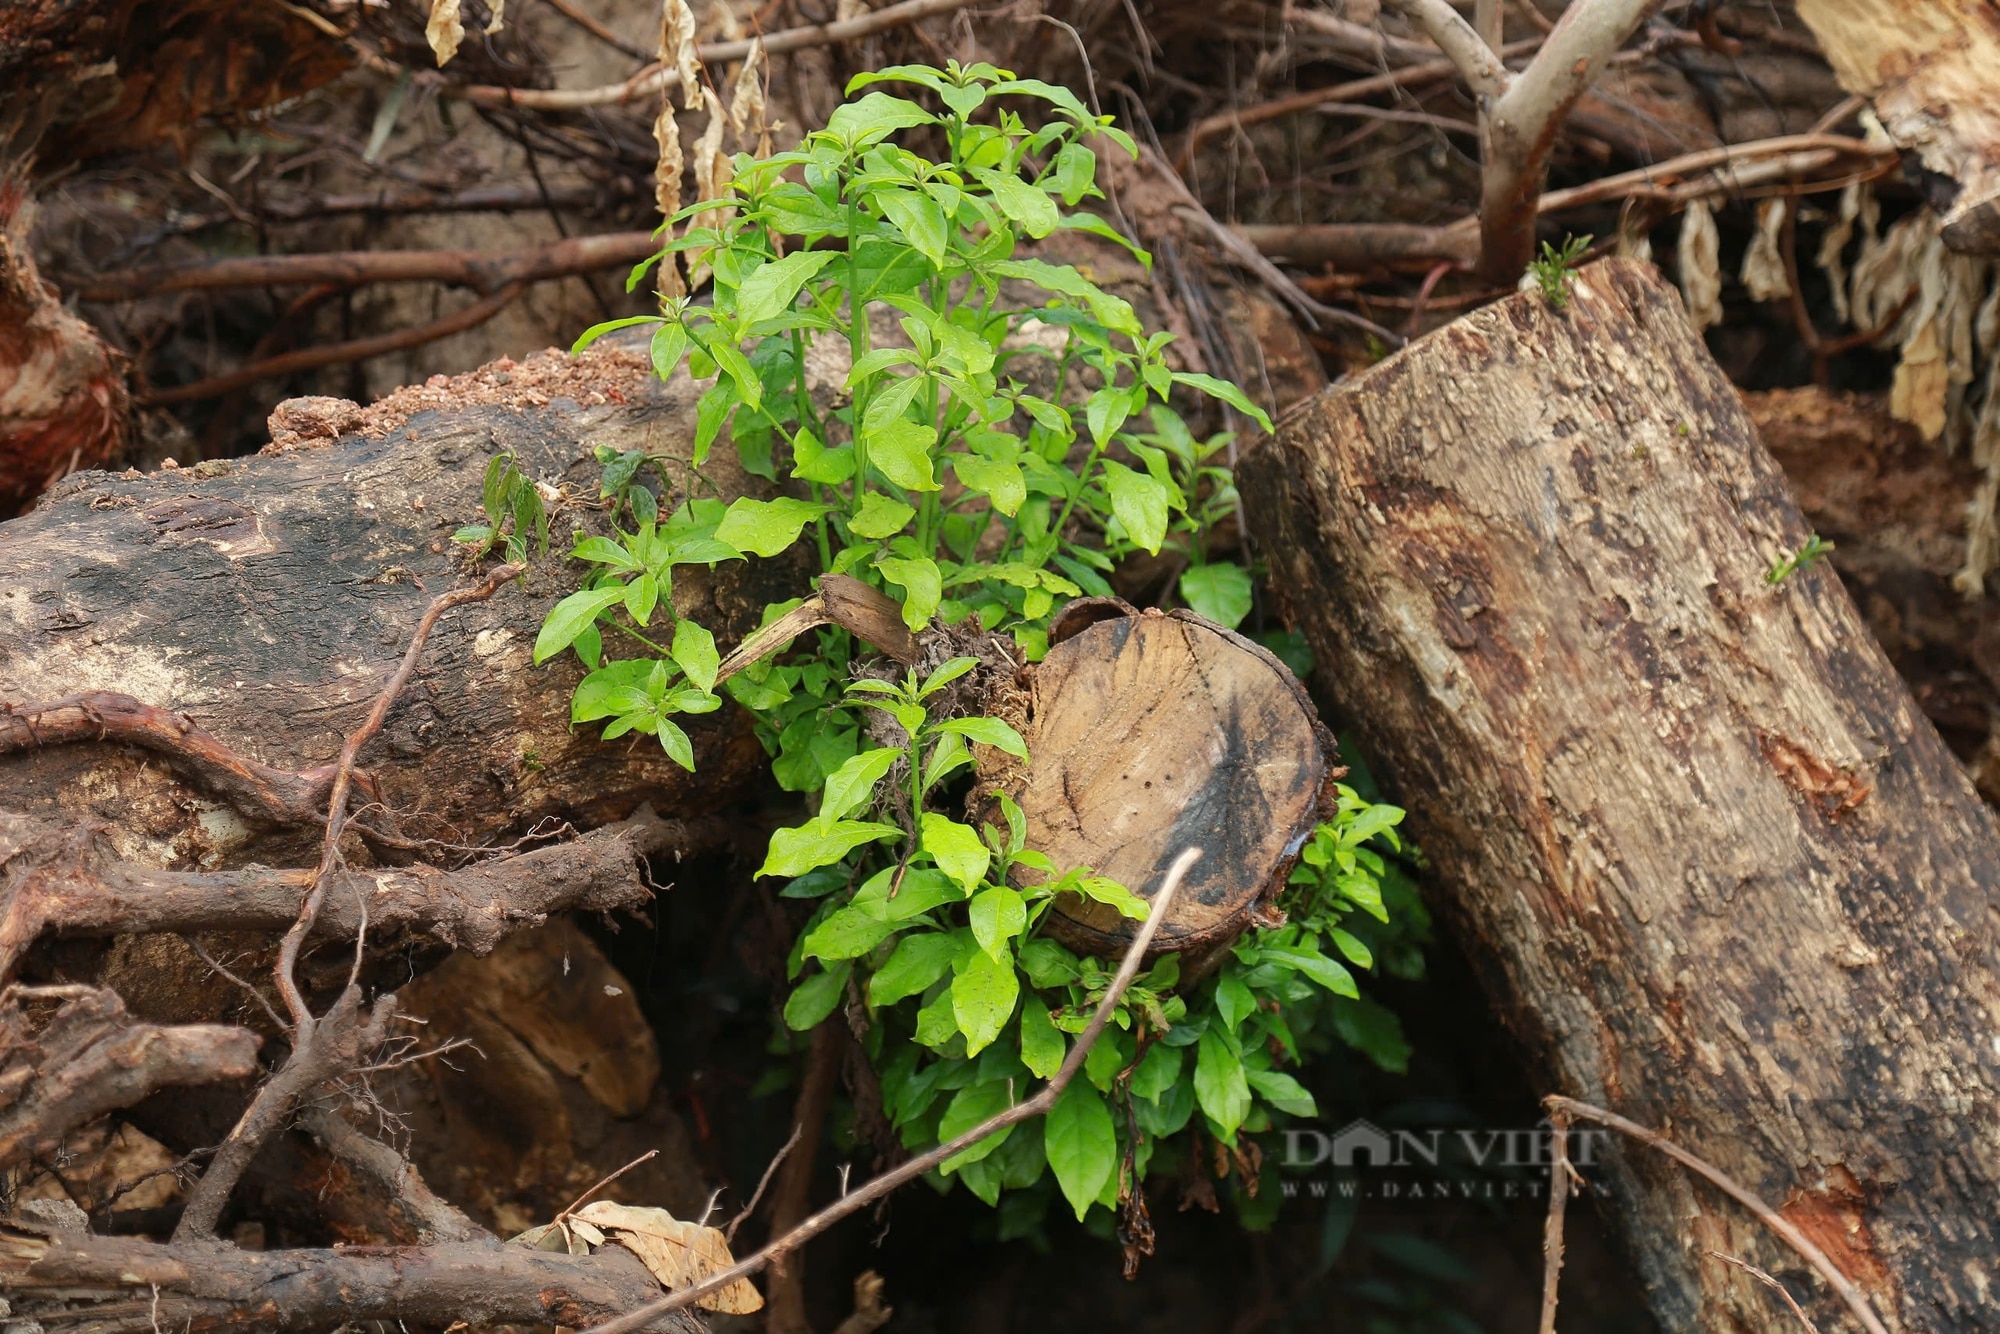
{"points": [[1717, 868], [269, 599], [1150, 733], [1929, 67]]}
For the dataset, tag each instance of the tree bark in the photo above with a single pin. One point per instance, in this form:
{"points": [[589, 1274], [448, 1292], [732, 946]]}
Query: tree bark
{"points": [[1717, 869], [259, 605]]}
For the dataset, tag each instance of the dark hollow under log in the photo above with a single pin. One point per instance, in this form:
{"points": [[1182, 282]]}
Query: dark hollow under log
{"points": [[1718, 869]]}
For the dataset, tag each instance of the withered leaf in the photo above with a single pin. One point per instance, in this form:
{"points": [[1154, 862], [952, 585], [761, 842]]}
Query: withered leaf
{"points": [[678, 1254]]}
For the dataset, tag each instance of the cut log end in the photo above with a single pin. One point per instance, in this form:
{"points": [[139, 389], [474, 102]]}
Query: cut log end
{"points": [[1153, 732]]}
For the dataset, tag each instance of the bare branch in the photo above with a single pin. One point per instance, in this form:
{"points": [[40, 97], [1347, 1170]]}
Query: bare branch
{"points": [[1768, 1216], [1476, 62], [72, 886], [1522, 122], [436, 1219], [924, 1162], [89, 1058], [484, 1282]]}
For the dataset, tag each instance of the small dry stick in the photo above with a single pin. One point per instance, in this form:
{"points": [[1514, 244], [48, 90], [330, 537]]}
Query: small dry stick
{"points": [[580, 1200], [1770, 1217], [1552, 1235], [1771, 1283], [729, 1233], [922, 1163]]}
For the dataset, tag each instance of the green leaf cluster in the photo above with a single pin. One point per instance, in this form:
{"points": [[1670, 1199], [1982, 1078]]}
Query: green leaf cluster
{"points": [[1002, 451]]}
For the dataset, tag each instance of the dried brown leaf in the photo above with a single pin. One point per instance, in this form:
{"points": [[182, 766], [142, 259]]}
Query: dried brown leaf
{"points": [[678, 1254], [1700, 263], [677, 49], [444, 30]]}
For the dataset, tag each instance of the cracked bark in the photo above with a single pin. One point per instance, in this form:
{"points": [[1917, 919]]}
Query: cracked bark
{"points": [[1716, 867]]}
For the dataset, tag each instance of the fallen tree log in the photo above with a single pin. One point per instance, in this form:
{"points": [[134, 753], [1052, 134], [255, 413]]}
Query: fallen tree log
{"points": [[256, 607], [1719, 872]]}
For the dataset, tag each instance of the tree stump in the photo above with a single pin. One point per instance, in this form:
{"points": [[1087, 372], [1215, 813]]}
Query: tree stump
{"points": [[1149, 733], [1717, 868]]}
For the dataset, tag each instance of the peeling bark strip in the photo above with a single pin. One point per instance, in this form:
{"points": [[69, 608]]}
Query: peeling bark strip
{"points": [[259, 605], [63, 1275], [1717, 868], [1929, 67]]}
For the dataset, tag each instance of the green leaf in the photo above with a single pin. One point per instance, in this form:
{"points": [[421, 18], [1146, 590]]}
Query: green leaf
{"points": [[1357, 953], [1316, 966], [616, 687], [921, 583], [571, 617], [603, 551], [998, 915], [796, 851], [1139, 503], [1048, 964], [641, 596], [959, 853], [766, 527], [773, 286], [880, 516], [814, 462], [873, 118], [987, 732], [1113, 312], [815, 998], [901, 450], [1220, 592], [936, 1022], [1082, 1145], [1158, 1071], [1105, 413], [921, 221], [1219, 1085], [669, 345], [1042, 1046], [1109, 892], [847, 933], [739, 370], [1225, 391], [1283, 1092], [853, 783], [1075, 173], [694, 651], [972, 1106], [920, 959], [983, 993], [711, 412], [1001, 483], [1233, 1000], [1028, 205], [597, 331], [675, 742]]}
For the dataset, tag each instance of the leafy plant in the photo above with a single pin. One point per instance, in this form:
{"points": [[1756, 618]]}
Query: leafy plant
{"points": [[1815, 550], [1551, 272], [998, 456], [514, 514]]}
